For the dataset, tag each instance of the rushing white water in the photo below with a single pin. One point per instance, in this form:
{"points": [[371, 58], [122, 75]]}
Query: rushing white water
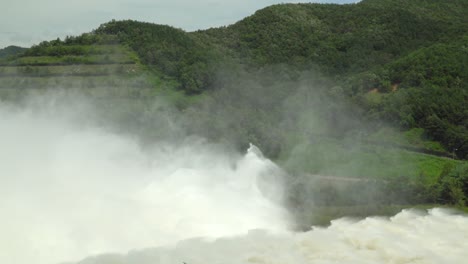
{"points": [[70, 190]]}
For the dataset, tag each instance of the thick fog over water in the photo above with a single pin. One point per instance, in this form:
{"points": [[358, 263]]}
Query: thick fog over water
{"points": [[72, 188]]}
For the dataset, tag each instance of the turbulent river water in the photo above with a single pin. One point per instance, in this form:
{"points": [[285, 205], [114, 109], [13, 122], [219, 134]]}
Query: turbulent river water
{"points": [[74, 192]]}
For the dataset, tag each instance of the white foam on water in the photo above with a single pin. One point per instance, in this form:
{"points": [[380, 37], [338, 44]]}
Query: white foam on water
{"points": [[409, 237]]}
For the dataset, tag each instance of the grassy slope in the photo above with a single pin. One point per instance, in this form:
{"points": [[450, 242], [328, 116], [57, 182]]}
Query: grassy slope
{"points": [[354, 47], [59, 64], [397, 59]]}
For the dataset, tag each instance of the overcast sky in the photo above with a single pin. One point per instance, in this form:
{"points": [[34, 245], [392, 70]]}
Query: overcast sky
{"points": [[26, 22]]}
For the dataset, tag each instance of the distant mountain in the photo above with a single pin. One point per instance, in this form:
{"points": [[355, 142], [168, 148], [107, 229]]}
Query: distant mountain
{"points": [[340, 40], [10, 51]]}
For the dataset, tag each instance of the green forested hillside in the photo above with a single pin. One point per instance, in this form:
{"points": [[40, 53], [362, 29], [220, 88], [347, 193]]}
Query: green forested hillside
{"points": [[171, 52], [430, 90], [379, 87], [342, 38]]}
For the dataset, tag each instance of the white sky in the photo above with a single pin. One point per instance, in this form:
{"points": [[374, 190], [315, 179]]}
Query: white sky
{"points": [[26, 22]]}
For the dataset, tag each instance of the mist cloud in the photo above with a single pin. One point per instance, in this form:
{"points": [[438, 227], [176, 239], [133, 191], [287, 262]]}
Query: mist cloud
{"points": [[72, 188], [74, 184]]}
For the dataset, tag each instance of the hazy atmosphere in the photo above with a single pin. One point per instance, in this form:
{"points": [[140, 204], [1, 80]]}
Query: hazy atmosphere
{"points": [[74, 188], [234, 132]]}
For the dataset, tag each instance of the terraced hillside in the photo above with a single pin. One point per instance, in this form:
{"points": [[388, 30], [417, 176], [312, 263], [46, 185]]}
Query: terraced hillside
{"points": [[84, 61]]}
